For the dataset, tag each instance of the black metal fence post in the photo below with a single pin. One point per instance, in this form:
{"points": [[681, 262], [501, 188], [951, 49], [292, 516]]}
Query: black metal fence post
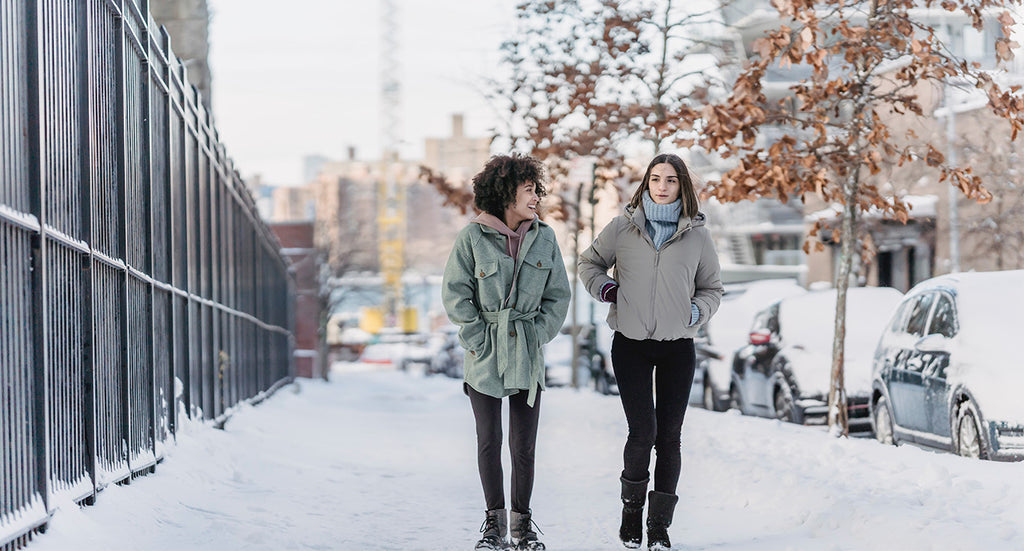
{"points": [[37, 419]]}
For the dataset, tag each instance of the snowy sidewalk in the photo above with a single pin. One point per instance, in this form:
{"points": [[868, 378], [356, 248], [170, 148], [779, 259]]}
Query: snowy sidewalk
{"points": [[383, 460]]}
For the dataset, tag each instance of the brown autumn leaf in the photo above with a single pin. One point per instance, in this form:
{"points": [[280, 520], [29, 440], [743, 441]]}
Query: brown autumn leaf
{"points": [[1005, 19], [806, 39], [1004, 49], [785, 7]]}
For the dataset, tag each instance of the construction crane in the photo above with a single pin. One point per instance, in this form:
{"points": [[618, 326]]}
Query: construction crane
{"points": [[391, 200]]}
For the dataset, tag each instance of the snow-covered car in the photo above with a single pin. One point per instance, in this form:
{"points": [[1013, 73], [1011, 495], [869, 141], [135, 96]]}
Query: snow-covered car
{"points": [[785, 370], [727, 332], [435, 353], [947, 370], [448, 356]]}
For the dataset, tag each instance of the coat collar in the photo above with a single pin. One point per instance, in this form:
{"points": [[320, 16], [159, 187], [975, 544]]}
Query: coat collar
{"points": [[636, 216]]}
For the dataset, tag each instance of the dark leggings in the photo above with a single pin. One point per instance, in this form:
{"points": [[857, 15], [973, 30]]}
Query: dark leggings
{"points": [[641, 369], [522, 442]]}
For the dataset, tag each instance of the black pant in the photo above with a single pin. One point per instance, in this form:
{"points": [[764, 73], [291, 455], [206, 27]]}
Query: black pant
{"points": [[658, 427], [522, 442]]}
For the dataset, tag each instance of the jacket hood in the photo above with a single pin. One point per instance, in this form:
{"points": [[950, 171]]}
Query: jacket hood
{"points": [[489, 221]]}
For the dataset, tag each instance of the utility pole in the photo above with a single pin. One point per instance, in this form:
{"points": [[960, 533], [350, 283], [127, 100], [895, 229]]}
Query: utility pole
{"points": [[954, 193], [593, 236]]}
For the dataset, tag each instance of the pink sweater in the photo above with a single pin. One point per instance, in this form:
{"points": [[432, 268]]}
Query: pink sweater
{"points": [[515, 238]]}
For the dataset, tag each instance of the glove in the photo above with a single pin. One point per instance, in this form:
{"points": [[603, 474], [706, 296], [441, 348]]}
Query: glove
{"points": [[610, 292], [694, 314]]}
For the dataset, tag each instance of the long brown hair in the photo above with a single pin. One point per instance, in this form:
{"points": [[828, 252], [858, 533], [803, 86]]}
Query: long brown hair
{"points": [[690, 205]]}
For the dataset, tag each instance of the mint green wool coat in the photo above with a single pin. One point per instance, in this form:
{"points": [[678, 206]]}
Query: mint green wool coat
{"points": [[503, 339]]}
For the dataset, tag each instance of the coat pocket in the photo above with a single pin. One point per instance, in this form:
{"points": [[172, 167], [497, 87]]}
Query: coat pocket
{"points": [[485, 269], [489, 289], [533, 278]]}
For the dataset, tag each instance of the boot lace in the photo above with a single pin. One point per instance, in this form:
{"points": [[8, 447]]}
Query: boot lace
{"points": [[524, 527], [490, 522]]}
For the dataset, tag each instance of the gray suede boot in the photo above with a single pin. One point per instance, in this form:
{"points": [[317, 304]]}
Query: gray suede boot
{"points": [[522, 535], [659, 518], [634, 494], [494, 528]]}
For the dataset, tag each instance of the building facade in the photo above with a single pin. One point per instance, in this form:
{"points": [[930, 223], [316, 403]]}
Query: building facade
{"points": [[188, 24], [458, 156]]}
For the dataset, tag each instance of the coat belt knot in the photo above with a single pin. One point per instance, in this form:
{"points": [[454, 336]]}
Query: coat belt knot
{"points": [[510, 324]]}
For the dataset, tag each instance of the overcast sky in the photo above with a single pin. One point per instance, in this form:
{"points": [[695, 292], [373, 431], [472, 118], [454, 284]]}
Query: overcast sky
{"points": [[304, 79]]}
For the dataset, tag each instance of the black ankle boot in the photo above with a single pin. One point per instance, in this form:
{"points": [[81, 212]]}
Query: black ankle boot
{"points": [[631, 531], [659, 518]]}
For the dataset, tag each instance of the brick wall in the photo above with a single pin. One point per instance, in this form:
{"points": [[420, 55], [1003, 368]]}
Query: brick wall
{"points": [[297, 246]]}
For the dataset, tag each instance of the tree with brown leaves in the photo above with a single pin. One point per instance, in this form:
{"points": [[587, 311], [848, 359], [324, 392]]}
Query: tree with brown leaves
{"points": [[592, 79], [868, 63]]}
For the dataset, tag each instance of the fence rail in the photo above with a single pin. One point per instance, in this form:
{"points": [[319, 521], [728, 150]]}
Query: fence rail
{"points": [[137, 282]]}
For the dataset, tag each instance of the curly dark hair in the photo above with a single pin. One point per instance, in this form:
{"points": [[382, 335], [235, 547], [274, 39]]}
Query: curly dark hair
{"points": [[496, 185]]}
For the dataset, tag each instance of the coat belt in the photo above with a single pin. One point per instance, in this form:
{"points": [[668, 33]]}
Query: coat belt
{"points": [[510, 326]]}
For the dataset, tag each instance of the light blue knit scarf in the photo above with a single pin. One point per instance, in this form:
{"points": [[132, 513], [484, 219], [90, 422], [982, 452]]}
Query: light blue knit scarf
{"points": [[662, 220]]}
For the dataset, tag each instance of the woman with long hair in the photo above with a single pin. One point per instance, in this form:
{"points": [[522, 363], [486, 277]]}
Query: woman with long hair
{"points": [[665, 283]]}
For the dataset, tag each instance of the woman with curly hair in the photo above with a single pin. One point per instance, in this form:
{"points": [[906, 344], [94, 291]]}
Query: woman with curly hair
{"points": [[506, 288], [665, 284]]}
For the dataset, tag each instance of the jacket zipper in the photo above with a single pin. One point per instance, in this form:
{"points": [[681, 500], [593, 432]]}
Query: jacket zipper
{"points": [[657, 259], [654, 295], [654, 286]]}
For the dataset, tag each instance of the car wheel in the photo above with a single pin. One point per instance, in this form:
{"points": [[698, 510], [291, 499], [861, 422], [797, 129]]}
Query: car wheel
{"points": [[735, 400], [969, 442], [883, 423], [784, 403], [708, 400]]}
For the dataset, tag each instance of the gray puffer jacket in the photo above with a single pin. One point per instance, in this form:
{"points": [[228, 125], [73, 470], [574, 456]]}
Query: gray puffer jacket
{"points": [[656, 286]]}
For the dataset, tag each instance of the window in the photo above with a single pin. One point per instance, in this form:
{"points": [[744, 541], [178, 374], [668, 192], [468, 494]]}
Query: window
{"points": [[944, 318], [767, 320], [898, 324], [974, 43], [761, 321], [919, 314]]}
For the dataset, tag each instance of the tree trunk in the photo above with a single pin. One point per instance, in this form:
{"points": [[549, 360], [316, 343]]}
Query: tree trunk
{"points": [[838, 423], [574, 233], [323, 352]]}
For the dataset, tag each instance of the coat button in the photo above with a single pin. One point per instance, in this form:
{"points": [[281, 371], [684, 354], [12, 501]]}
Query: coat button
{"points": [[472, 352], [511, 333], [538, 264], [481, 274]]}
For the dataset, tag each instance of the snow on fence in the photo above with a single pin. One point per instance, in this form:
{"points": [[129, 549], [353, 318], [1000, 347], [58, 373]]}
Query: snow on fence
{"points": [[137, 282]]}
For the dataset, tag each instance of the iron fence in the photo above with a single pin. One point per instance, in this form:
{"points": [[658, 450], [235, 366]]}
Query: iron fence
{"points": [[137, 282]]}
